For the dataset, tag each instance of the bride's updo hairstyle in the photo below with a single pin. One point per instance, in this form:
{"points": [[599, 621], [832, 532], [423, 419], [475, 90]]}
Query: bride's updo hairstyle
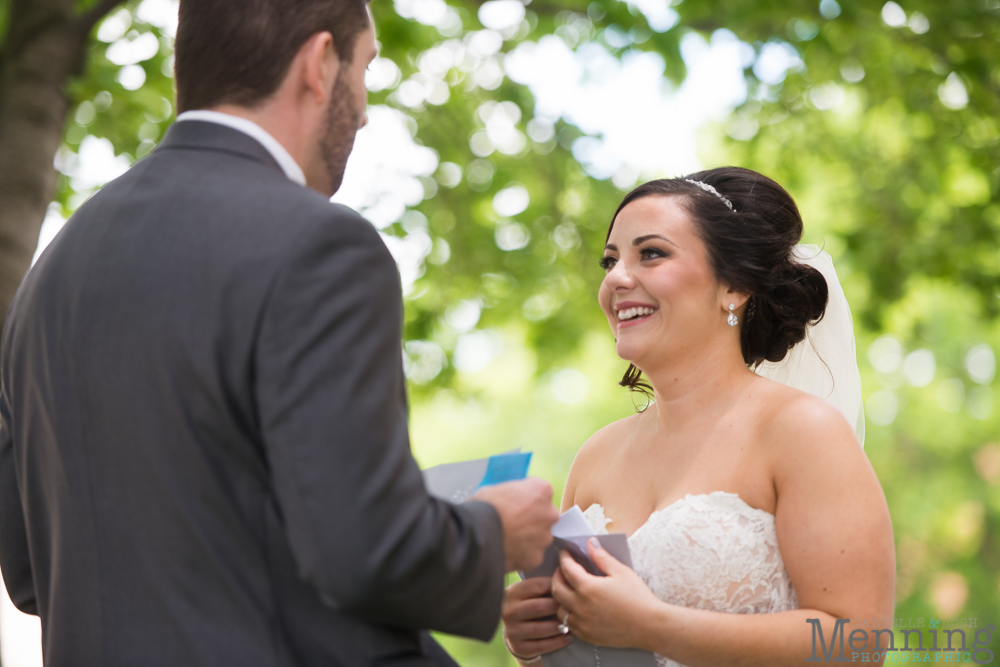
{"points": [[750, 249]]}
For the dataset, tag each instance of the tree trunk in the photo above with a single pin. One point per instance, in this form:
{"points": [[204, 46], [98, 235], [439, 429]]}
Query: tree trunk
{"points": [[45, 47]]}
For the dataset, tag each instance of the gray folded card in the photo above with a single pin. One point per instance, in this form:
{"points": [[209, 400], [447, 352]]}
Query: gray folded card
{"points": [[581, 653], [615, 544]]}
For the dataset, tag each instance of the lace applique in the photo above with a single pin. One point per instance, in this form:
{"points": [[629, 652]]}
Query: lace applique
{"points": [[709, 551], [595, 517]]}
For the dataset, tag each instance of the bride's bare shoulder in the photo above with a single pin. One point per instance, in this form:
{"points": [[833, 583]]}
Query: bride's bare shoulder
{"points": [[595, 452], [800, 428], [606, 440]]}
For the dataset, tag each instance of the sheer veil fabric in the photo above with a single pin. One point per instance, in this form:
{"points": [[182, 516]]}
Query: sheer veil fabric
{"points": [[825, 363]]}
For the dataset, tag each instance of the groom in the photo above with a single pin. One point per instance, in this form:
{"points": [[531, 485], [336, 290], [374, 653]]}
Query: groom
{"points": [[204, 456]]}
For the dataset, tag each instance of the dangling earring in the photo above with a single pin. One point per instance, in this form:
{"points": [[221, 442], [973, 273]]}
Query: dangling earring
{"points": [[732, 319]]}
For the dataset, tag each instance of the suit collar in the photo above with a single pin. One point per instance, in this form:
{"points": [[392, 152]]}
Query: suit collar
{"points": [[202, 135], [248, 127]]}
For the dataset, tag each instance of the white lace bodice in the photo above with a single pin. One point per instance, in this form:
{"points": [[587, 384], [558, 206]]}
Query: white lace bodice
{"points": [[709, 551]]}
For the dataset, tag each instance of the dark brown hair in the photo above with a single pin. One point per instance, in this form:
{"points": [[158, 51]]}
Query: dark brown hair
{"points": [[750, 249], [239, 52]]}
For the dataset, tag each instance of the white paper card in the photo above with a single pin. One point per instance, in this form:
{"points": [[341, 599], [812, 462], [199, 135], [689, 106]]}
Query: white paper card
{"points": [[572, 524]]}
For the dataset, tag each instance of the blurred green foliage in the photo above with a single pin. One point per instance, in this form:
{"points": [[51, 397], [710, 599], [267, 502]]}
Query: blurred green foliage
{"points": [[886, 134]]}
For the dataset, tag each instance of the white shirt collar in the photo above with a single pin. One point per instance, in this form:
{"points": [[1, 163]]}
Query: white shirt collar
{"points": [[284, 159]]}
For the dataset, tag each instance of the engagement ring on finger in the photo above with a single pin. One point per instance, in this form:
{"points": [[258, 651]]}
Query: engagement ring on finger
{"points": [[564, 626]]}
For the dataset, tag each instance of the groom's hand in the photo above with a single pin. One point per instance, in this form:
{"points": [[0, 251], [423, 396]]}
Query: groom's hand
{"points": [[527, 514]]}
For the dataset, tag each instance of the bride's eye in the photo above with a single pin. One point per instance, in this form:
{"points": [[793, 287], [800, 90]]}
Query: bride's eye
{"points": [[608, 262], [652, 253]]}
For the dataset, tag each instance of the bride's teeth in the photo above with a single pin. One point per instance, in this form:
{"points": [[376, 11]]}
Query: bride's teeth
{"points": [[632, 313]]}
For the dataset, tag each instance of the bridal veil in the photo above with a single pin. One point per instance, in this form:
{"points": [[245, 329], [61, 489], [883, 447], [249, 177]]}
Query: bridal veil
{"points": [[825, 363]]}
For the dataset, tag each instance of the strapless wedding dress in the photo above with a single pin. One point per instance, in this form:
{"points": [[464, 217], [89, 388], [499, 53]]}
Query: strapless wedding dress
{"points": [[709, 551]]}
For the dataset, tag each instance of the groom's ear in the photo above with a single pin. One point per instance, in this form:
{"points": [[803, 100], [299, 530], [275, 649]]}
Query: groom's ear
{"points": [[317, 65]]}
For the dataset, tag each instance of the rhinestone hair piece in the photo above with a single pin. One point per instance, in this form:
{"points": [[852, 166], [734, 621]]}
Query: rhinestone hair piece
{"points": [[708, 188]]}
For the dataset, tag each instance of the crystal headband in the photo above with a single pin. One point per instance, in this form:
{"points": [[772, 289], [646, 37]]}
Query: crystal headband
{"points": [[708, 188]]}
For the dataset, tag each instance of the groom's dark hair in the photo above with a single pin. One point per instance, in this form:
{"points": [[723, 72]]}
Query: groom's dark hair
{"points": [[238, 52]]}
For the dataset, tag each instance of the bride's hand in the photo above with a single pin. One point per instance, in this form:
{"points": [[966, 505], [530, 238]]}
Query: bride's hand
{"points": [[529, 618], [607, 611]]}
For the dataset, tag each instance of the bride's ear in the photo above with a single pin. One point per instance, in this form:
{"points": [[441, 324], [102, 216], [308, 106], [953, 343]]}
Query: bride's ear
{"points": [[729, 295]]}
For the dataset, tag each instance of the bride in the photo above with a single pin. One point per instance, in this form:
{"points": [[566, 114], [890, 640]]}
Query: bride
{"points": [[749, 505]]}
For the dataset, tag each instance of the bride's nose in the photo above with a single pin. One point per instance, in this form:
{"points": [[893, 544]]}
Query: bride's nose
{"points": [[620, 278]]}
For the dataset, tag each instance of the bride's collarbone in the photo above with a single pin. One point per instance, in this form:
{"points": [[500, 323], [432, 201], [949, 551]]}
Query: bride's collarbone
{"points": [[633, 486], [682, 453]]}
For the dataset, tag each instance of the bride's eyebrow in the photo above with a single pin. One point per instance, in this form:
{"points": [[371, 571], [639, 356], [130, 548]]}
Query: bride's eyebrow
{"points": [[611, 246], [643, 239]]}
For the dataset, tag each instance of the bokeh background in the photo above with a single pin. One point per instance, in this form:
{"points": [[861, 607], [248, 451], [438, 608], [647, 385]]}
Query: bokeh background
{"points": [[501, 138]]}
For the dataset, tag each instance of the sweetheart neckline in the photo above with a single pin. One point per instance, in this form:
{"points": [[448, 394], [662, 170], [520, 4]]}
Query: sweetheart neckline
{"points": [[685, 497]]}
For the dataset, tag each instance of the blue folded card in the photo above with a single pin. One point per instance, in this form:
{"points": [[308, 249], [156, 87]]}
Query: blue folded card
{"points": [[455, 482], [506, 468]]}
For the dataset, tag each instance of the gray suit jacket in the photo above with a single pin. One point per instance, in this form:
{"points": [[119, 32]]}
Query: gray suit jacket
{"points": [[204, 457]]}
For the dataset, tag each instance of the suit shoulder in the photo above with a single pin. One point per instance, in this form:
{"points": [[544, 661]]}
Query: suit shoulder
{"points": [[346, 220], [249, 195], [316, 214], [326, 226]]}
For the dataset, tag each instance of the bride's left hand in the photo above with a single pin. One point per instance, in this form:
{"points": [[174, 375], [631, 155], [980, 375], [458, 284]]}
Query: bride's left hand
{"points": [[607, 611]]}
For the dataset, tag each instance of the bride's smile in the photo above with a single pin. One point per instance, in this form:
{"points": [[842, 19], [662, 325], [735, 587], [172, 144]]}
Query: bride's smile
{"points": [[630, 313]]}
